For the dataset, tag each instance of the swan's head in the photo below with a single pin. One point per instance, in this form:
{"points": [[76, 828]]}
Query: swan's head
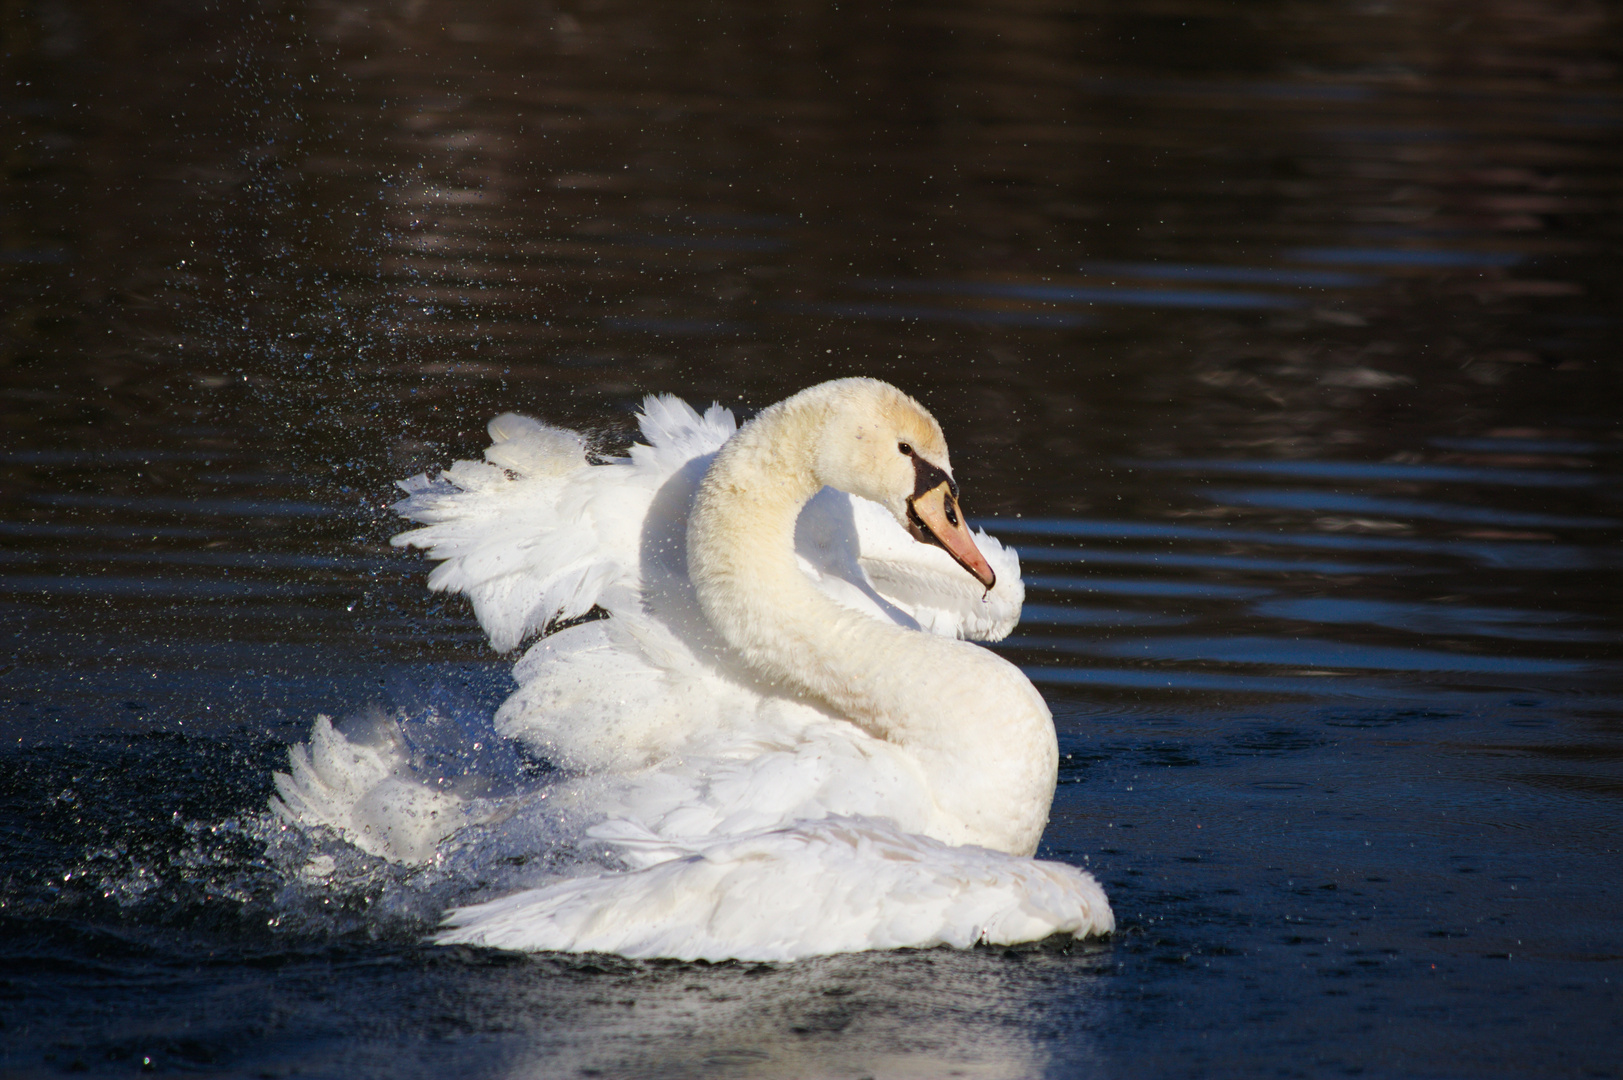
{"points": [[881, 444]]}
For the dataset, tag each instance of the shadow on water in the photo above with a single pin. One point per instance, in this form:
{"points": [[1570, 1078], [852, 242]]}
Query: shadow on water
{"points": [[1280, 340]]}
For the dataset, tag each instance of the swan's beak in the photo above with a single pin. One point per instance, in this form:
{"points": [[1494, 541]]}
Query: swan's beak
{"points": [[933, 517]]}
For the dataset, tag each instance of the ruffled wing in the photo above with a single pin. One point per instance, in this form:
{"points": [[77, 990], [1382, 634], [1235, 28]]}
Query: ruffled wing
{"points": [[535, 532]]}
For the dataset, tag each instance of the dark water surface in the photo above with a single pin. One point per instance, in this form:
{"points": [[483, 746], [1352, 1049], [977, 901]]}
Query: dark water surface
{"points": [[1281, 338]]}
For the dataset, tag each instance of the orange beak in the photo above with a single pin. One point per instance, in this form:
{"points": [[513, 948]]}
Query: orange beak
{"points": [[933, 517]]}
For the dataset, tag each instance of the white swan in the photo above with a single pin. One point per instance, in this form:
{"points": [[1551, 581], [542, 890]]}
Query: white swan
{"points": [[779, 761]]}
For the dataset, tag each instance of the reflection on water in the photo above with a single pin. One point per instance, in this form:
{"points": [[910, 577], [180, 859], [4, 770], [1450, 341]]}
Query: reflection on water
{"points": [[1281, 341], [901, 1016]]}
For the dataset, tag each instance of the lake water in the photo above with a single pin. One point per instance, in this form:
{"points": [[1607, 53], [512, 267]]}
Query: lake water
{"points": [[1281, 339]]}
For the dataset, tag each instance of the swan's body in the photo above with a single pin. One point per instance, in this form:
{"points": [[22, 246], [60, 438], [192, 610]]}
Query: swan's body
{"points": [[781, 762]]}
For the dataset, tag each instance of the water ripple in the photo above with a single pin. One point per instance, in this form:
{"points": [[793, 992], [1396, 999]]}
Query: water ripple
{"points": [[1132, 297], [1313, 653], [1202, 562], [156, 587], [1336, 502], [1371, 470], [1506, 555], [919, 313], [1422, 618], [1235, 275], [1196, 590], [1056, 615], [250, 508], [1407, 257]]}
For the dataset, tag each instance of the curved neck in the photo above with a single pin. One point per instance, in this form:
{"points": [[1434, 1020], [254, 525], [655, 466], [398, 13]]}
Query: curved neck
{"points": [[974, 723], [741, 558]]}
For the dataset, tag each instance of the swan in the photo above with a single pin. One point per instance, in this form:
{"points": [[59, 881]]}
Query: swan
{"points": [[780, 739]]}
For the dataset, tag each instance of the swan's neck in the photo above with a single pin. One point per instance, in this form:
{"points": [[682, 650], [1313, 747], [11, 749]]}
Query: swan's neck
{"points": [[741, 557], [974, 722]]}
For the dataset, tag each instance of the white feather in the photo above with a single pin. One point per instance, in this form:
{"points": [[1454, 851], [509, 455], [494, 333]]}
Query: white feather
{"points": [[747, 822], [536, 534], [858, 883]]}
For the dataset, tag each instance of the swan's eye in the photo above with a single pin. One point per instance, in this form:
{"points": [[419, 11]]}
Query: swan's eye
{"points": [[952, 513], [904, 449]]}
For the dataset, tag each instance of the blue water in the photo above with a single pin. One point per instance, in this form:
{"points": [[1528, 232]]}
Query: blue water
{"points": [[1280, 343]]}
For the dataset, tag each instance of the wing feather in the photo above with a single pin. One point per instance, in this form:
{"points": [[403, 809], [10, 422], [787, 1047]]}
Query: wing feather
{"points": [[854, 546], [829, 886], [536, 533]]}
